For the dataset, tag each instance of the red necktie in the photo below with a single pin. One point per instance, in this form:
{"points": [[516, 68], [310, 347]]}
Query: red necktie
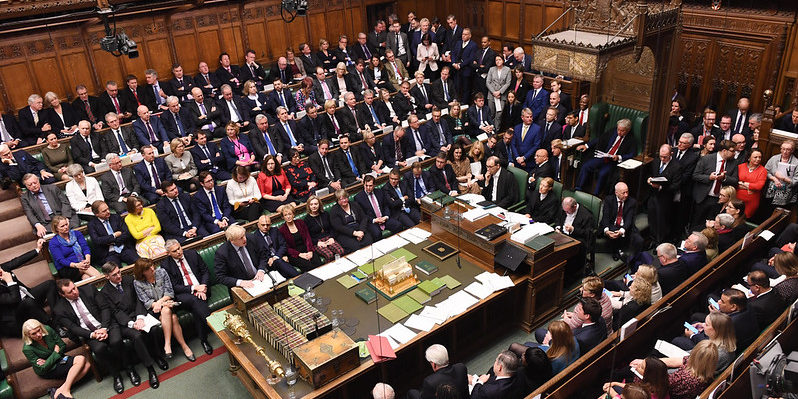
{"points": [[581, 117], [186, 275], [615, 146], [716, 190], [446, 180], [116, 105], [89, 113], [619, 218], [136, 96]]}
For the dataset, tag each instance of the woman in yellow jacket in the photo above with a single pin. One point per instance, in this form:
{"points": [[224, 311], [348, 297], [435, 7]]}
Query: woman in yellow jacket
{"points": [[144, 227]]}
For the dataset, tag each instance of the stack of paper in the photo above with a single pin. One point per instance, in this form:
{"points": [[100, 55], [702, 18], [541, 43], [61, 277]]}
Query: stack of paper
{"points": [[400, 333], [458, 303], [259, 287], [390, 244], [494, 282], [669, 350], [380, 348], [475, 214], [514, 217], [630, 163], [471, 199], [530, 231], [478, 290], [415, 235], [435, 313], [420, 322]]}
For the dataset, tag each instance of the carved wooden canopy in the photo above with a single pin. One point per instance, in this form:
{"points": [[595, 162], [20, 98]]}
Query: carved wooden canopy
{"points": [[600, 30]]}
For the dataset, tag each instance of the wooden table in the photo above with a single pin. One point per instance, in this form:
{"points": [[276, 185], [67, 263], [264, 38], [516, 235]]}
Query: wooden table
{"points": [[464, 335]]}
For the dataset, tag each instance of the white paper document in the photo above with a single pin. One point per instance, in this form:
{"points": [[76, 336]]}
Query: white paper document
{"points": [[474, 214], [574, 141], [630, 163], [478, 290], [420, 322], [150, 321], [391, 341], [766, 234], [259, 287], [476, 168], [400, 333], [435, 314], [530, 231], [670, 350]]}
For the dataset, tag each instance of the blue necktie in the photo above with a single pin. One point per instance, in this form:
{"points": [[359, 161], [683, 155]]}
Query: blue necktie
{"points": [[352, 163], [184, 224], [179, 124], [374, 115], [117, 248], [46, 204], [290, 134], [661, 167], [419, 190], [269, 143], [399, 194], [217, 214], [122, 145]]}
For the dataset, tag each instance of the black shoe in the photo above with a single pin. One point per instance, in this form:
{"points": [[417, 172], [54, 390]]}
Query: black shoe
{"points": [[154, 383], [168, 355], [118, 386], [206, 347], [162, 364], [134, 377], [191, 358]]}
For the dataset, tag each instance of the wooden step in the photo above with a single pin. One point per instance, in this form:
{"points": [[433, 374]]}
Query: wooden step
{"points": [[12, 252], [8, 194], [10, 209], [15, 231], [34, 273]]}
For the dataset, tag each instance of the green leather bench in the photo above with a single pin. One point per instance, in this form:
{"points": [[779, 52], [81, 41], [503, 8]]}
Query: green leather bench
{"points": [[604, 116], [520, 176]]}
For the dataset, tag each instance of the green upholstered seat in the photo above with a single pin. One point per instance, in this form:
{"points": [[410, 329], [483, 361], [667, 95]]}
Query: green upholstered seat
{"points": [[520, 178], [219, 295], [6, 392]]}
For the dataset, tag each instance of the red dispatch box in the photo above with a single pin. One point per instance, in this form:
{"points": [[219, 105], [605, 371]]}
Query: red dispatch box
{"points": [[326, 358]]}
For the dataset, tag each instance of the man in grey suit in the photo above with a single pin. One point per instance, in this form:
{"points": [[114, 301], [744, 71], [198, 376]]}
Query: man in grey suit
{"points": [[119, 184], [42, 202], [711, 173], [119, 139], [397, 41]]}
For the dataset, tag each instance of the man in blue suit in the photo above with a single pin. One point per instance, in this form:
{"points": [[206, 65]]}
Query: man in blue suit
{"points": [[375, 205], [464, 52], [418, 181], [438, 132], [110, 237], [594, 329], [211, 203], [619, 146], [239, 261], [179, 220], [479, 117], [150, 130], [150, 173], [695, 254], [281, 97], [526, 140], [273, 247], [208, 157], [419, 142], [537, 99], [177, 121], [19, 163]]}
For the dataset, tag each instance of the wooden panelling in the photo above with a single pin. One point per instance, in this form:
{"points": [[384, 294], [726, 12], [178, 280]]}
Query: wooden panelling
{"points": [[627, 83], [277, 42], [187, 55], [17, 88], [512, 20], [495, 12], [334, 21], [318, 29], [533, 21], [76, 70], [48, 74]]}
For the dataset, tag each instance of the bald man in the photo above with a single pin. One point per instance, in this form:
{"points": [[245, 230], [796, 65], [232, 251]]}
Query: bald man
{"points": [[150, 130], [618, 223]]}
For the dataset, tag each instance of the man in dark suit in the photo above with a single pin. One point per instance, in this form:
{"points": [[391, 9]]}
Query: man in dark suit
{"points": [[350, 118], [524, 141], [687, 156], [551, 129], [576, 221], [503, 382], [309, 61], [205, 115], [118, 184], [418, 182], [191, 283], [280, 71], [239, 261], [522, 59], [594, 329], [361, 50], [32, 121], [442, 174], [360, 80], [565, 98], [119, 296], [325, 89], [733, 303], [233, 108], [711, 173], [422, 93], [572, 128], [208, 82], [443, 373], [705, 129], [179, 86], [370, 154], [395, 148], [464, 52], [438, 132], [272, 247], [724, 129], [499, 185], [541, 169], [149, 130], [765, 304], [397, 41], [345, 163], [20, 302], [227, 73], [484, 60], [136, 96], [84, 313], [418, 141], [10, 131], [554, 102], [211, 203], [741, 154], [176, 120], [324, 168], [85, 147], [110, 237], [660, 205], [42, 202], [479, 117], [740, 115], [789, 122], [537, 99], [281, 97], [311, 129], [672, 270], [400, 198], [377, 37], [619, 145], [618, 223], [150, 173], [264, 140], [158, 90], [179, 220], [252, 70], [694, 256], [119, 139], [499, 147], [88, 107], [378, 213], [208, 158], [15, 165], [444, 90], [111, 101]]}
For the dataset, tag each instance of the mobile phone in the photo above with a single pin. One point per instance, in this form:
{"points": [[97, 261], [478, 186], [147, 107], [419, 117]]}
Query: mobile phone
{"points": [[64, 360], [714, 303], [690, 327], [629, 277]]}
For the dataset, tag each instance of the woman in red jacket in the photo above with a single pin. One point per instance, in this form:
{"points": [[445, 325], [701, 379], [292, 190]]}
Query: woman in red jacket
{"points": [[274, 187], [301, 250]]}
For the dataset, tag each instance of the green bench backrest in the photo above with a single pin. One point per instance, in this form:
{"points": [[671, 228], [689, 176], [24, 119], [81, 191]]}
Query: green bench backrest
{"points": [[592, 203], [208, 254], [598, 124], [520, 179]]}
